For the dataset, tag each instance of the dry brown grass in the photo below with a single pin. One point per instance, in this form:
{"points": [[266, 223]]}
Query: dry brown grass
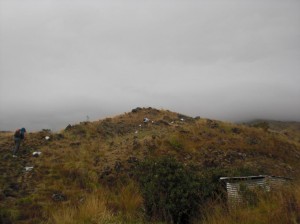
{"points": [[277, 208], [128, 201], [101, 206], [92, 210]]}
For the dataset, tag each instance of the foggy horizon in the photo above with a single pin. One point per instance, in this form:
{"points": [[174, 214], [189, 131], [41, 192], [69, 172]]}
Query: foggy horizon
{"points": [[59, 122], [229, 60]]}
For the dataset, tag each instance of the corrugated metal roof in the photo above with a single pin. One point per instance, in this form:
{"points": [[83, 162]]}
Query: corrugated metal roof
{"points": [[252, 177]]}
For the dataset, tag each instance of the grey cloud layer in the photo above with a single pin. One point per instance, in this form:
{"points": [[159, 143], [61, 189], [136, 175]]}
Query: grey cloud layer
{"points": [[63, 60]]}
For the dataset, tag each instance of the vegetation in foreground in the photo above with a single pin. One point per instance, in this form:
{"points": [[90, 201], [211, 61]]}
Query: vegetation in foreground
{"points": [[122, 170]]}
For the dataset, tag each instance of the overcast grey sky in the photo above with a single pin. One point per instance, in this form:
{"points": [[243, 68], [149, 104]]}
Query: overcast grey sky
{"points": [[61, 60]]}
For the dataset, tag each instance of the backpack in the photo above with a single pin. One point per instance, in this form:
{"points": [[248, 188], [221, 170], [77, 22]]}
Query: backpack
{"points": [[17, 133]]}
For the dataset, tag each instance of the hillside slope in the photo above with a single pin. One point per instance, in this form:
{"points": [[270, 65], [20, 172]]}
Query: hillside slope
{"points": [[103, 154], [289, 129]]}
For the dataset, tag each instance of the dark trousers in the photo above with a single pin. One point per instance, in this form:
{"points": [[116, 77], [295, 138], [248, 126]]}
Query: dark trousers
{"points": [[17, 145]]}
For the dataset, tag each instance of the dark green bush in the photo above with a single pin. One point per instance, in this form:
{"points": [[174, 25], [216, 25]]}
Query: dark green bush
{"points": [[176, 193], [171, 191]]}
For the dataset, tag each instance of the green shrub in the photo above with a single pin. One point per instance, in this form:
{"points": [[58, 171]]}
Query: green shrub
{"points": [[170, 190], [176, 144], [263, 125], [8, 215], [25, 201]]}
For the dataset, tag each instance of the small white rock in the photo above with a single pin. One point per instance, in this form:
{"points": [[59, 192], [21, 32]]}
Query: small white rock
{"points": [[47, 137], [36, 154], [28, 168]]}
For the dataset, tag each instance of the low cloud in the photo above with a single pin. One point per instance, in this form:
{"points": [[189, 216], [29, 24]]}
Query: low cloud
{"points": [[231, 60]]}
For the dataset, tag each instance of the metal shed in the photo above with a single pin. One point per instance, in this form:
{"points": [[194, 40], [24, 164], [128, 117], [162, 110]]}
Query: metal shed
{"points": [[264, 182]]}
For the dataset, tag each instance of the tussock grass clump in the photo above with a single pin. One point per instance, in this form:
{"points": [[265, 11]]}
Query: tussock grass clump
{"points": [[92, 210], [102, 206], [277, 207], [128, 201]]}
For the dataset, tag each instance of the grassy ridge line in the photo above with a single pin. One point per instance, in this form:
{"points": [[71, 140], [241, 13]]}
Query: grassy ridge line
{"points": [[100, 156]]}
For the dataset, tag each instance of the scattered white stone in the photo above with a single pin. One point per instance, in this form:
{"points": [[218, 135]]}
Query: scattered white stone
{"points": [[47, 137], [36, 154], [182, 119], [172, 122], [136, 132], [140, 125], [146, 120], [28, 168]]}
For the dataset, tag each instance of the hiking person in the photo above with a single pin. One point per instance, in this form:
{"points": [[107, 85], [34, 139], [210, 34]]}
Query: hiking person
{"points": [[18, 137]]}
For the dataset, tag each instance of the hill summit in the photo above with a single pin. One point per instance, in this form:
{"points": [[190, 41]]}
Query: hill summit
{"points": [[103, 155]]}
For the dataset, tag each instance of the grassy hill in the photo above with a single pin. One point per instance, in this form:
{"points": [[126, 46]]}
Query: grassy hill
{"points": [[290, 129], [88, 173]]}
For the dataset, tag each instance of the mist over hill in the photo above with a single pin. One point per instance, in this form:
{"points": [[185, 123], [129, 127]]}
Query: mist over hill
{"points": [[58, 118]]}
